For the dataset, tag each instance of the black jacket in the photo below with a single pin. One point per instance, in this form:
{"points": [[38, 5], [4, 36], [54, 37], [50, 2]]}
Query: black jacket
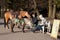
{"points": [[34, 20]]}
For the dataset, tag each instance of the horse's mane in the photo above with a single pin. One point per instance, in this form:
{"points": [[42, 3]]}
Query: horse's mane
{"points": [[23, 12]]}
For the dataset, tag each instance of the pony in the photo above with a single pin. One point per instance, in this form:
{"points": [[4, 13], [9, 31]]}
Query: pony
{"points": [[23, 14], [7, 17]]}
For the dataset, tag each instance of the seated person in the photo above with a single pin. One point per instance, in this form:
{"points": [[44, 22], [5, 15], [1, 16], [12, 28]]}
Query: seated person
{"points": [[34, 20], [41, 24]]}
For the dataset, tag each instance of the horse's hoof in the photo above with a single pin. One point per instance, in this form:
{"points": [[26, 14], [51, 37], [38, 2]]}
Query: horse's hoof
{"points": [[8, 28], [23, 31]]}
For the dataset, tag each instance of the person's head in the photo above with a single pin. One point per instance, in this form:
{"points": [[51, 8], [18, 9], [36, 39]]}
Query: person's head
{"points": [[33, 15], [40, 16]]}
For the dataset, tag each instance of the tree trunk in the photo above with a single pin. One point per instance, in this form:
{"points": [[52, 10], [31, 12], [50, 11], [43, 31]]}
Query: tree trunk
{"points": [[35, 7], [50, 9], [54, 10]]}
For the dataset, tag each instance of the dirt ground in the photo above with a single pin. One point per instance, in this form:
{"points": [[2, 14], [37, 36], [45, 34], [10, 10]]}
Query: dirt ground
{"points": [[5, 34]]}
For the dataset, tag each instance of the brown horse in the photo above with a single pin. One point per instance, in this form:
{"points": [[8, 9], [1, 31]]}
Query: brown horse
{"points": [[23, 14], [8, 16]]}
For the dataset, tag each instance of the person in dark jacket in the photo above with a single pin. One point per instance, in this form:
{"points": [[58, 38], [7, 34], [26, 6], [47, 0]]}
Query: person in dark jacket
{"points": [[34, 20]]}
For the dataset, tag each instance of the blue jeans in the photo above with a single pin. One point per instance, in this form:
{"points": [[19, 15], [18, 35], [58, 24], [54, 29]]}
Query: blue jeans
{"points": [[39, 27]]}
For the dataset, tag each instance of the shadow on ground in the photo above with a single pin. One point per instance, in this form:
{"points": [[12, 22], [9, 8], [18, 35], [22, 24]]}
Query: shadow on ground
{"points": [[1, 23], [7, 33]]}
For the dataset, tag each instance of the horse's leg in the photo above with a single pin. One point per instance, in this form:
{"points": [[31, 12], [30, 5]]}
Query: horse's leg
{"points": [[23, 27], [7, 25], [6, 19], [4, 22], [18, 25], [12, 26]]}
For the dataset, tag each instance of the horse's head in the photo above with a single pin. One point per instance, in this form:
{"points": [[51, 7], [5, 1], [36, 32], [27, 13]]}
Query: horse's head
{"points": [[27, 15], [24, 14]]}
